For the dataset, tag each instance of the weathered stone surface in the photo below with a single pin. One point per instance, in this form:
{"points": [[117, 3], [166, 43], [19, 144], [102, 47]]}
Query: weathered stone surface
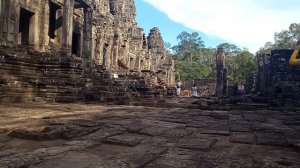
{"points": [[72, 159], [153, 131], [54, 132], [273, 128], [4, 154], [133, 157], [17, 161], [215, 132], [85, 123], [275, 162], [125, 139], [175, 158], [71, 50], [53, 151], [170, 144], [274, 139], [81, 144], [177, 133], [246, 138], [253, 117], [275, 67], [101, 134], [134, 128], [236, 127], [196, 144], [4, 138]]}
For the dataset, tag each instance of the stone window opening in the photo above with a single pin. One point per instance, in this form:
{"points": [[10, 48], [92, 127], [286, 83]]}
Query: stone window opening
{"points": [[25, 26], [76, 43], [142, 64], [112, 9], [131, 63], [54, 23]]}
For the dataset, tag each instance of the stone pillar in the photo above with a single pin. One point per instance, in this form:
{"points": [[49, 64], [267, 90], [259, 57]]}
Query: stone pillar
{"points": [[220, 61], [87, 34], [259, 86], [225, 80], [33, 39], [67, 27], [2, 4]]}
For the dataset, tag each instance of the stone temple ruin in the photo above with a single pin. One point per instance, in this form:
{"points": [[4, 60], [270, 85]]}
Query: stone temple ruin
{"points": [[68, 50], [93, 50], [276, 78]]}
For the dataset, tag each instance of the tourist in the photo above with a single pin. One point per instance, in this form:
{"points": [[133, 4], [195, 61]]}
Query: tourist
{"points": [[194, 91], [294, 60], [241, 88], [235, 89], [178, 88]]}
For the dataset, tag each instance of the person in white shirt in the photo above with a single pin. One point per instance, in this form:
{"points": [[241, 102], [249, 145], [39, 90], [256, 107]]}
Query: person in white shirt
{"points": [[178, 88], [194, 91]]}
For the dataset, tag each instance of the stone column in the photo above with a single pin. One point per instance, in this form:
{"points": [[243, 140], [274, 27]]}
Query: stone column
{"points": [[2, 3], [33, 39], [87, 33], [5, 8], [225, 82], [220, 71], [67, 27]]}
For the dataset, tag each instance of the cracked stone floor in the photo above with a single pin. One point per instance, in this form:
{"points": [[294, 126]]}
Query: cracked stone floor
{"points": [[103, 136]]}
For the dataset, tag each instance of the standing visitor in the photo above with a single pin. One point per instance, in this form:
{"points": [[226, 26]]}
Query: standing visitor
{"points": [[241, 88], [178, 88], [194, 91]]}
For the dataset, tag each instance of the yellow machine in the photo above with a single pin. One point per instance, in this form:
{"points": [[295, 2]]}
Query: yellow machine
{"points": [[294, 60]]}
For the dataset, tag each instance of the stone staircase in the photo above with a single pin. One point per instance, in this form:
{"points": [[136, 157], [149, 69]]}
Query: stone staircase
{"points": [[51, 78]]}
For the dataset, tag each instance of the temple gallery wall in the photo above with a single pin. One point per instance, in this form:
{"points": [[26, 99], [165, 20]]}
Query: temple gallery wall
{"points": [[69, 48]]}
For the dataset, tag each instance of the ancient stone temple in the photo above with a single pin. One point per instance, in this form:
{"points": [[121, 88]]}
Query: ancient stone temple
{"points": [[70, 49], [276, 77]]}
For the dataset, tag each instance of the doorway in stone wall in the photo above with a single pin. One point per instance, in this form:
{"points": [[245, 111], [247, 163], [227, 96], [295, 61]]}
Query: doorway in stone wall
{"points": [[76, 43], [24, 26]]}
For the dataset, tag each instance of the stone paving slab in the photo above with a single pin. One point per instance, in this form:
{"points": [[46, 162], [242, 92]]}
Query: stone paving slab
{"points": [[125, 139], [238, 137], [101, 134], [196, 144], [128, 136], [274, 139], [153, 131], [175, 158], [178, 132]]}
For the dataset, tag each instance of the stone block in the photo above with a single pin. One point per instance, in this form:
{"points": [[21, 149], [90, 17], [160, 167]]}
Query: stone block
{"points": [[197, 144], [177, 133], [153, 131], [246, 138], [124, 139], [236, 127], [272, 139]]}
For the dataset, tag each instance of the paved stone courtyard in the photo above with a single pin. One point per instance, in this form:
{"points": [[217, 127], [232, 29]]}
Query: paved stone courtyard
{"points": [[103, 136]]}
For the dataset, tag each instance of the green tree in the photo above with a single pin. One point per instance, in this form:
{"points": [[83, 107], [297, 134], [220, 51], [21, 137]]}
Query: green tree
{"points": [[189, 45], [242, 66], [286, 39], [230, 49], [192, 70]]}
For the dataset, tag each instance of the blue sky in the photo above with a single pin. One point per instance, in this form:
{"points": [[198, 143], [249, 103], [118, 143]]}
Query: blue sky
{"points": [[148, 17], [245, 23]]}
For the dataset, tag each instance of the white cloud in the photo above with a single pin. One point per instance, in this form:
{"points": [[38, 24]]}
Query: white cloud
{"points": [[247, 23]]}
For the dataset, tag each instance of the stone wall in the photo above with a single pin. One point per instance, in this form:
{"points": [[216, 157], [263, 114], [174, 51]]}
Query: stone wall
{"points": [[206, 87], [276, 77], [100, 35]]}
